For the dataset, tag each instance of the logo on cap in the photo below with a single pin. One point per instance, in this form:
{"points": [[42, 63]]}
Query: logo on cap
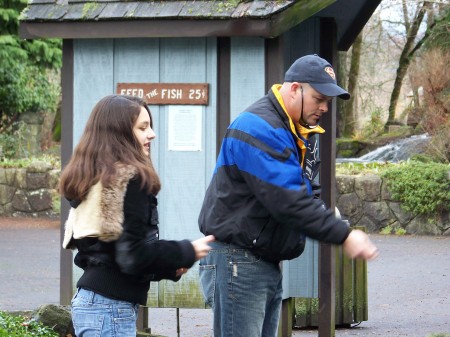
{"points": [[330, 72]]}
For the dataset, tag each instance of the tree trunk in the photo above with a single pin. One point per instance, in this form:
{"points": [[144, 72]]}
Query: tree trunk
{"points": [[342, 72], [404, 61], [349, 112]]}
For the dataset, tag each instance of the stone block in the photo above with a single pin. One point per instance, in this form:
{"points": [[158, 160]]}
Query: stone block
{"points": [[371, 226], [393, 128], [21, 179], [379, 212], [3, 176], [402, 216], [53, 179], [20, 202], [350, 206], [40, 200], [345, 184], [36, 180], [6, 194], [7, 176], [6, 209], [420, 225], [385, 192], [368, 187]]}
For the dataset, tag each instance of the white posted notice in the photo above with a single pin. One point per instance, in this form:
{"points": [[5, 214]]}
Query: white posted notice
{"points": [[185, 128]]}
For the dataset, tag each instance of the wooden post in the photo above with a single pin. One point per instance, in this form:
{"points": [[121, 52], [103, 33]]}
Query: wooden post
{"points": [[346, 290], [142, 320], [326, 291], [65, 256], [361, 292], [285, 325], [327, 146]]}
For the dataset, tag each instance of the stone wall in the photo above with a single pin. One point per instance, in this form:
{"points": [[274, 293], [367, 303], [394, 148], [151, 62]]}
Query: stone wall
{"points": [[29, 192], [366, 201], [362, 199]]}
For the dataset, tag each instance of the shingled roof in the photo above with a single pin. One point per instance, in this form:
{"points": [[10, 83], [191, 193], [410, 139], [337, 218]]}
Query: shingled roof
{"points": [[93, 19], [81, 10]]}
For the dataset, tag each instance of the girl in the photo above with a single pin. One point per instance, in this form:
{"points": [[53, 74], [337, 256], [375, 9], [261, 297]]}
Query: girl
{"points": [[112, 185]]}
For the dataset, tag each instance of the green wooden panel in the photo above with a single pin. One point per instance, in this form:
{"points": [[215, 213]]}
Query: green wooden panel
{"points": [[287, 317], [351, 295], [361, 291], [346, 290]]}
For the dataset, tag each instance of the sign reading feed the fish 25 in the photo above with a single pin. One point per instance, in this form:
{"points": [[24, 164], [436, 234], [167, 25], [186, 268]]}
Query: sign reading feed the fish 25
{"points": [[167, 93]]}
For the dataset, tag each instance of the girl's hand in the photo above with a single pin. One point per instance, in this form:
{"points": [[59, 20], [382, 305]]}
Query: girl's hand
{"points": [[181, 271], [201, 246]]}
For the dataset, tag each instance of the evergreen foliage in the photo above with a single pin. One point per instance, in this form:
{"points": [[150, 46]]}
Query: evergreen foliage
{"points": [[25, 68], [439, 36], [20, 326], [422, 187]]}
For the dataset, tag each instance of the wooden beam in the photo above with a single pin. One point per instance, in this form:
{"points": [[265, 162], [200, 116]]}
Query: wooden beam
{"points": [[327, 297], [66, 256], [223, 89]]}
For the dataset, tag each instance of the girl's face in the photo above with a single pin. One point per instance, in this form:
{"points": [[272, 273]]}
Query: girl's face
{"points": [[142, 130]]}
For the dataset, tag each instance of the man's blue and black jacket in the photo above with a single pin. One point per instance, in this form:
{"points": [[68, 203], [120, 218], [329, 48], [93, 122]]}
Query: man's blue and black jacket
{"points": [[260, 198]]}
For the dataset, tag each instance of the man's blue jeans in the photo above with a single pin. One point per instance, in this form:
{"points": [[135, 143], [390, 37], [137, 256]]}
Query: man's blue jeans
{"points": [[244, 291], [99, 316]]}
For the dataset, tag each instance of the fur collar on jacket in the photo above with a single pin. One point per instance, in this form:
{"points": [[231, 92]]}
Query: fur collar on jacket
{"points": [[101, 213]]}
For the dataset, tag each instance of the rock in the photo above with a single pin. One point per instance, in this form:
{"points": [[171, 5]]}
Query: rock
{"points": [[57, 317], [345, 184], [39, 167], [368, 187]]}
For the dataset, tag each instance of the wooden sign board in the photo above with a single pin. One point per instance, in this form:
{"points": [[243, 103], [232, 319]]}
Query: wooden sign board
{"points": [[167, 93]]}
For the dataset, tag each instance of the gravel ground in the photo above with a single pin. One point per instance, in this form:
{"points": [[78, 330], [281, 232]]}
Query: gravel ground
{"points": [[409, 284]]}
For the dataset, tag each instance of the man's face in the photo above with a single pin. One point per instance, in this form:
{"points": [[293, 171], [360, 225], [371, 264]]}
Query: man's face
{"points": [[314, 104]]}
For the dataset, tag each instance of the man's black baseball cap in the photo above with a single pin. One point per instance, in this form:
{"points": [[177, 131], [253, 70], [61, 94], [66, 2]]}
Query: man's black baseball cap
{"points": [[318, 73]]}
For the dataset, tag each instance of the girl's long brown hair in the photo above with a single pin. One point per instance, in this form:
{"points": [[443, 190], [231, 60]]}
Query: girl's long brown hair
{"points": [[108, 140]]}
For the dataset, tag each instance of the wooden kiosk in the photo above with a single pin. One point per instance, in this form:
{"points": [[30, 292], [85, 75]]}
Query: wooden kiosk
{"points": [[223, 55]]}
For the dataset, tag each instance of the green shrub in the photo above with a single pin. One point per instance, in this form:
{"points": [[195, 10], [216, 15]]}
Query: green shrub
{"points": [[52, 159], [423, 188], [11, 141], [360, 168], [386, 230], [392, 229], [25, 88], [375, 126], [21, 326], [400, 231]]}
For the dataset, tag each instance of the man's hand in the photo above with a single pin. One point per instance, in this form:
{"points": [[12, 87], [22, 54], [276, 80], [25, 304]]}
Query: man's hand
{"points": [[358, 245]]}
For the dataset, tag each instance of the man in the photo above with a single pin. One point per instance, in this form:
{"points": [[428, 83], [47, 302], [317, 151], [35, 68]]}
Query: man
{"points": [[261, 203]]}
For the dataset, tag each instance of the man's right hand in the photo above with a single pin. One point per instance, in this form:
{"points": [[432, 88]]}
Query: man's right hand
{"points": [[358, 245]]}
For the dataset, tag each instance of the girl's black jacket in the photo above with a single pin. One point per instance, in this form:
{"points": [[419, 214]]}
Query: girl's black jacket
{"points": [[116, 233], [260, 197]]}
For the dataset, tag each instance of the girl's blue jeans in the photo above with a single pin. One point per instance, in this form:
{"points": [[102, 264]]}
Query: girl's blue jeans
{"points": [[244, 291], [99, 316]]}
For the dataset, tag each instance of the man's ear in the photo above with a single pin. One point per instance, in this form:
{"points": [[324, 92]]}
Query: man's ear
{"points": [[294, 87]]}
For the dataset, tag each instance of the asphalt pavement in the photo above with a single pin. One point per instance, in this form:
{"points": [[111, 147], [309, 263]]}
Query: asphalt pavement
{"points": [[409, 284]]}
